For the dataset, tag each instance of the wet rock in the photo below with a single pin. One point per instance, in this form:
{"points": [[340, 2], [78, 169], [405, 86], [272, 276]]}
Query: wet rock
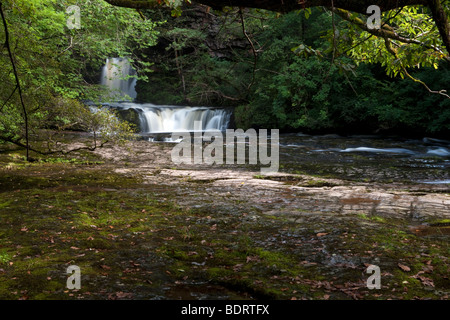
{"points": [[131, 116]]}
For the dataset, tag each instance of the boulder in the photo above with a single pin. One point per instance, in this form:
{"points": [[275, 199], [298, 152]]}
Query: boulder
{"points": [[131, 116]]}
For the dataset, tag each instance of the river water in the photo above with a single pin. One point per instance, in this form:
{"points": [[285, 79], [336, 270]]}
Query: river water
{"points": [[358, 158], [367, 158]]}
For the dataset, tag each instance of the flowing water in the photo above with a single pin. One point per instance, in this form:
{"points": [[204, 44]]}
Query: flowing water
{"points": [[361, 158], [167, 119], [119, 76], [367, 158]]}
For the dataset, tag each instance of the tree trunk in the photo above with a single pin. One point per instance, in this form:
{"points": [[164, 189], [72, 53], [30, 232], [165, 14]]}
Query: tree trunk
{"points": [[442, 21]]}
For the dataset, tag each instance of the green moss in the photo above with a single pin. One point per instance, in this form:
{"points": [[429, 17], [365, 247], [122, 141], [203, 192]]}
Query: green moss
{"points": [[217, 273], [5, 257], [258, 176], [363, 216], [372, 218], [119, 230], [5, 204], [318, 184]]}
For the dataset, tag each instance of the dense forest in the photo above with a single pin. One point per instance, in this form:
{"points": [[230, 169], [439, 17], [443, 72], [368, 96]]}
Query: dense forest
{"points": [[282, 71], [307, 70]]}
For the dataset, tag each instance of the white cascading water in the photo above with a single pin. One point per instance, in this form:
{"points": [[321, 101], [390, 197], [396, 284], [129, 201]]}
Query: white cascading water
{"points": [[173, 119], [114, 76], [165, 119], [159, 119]]}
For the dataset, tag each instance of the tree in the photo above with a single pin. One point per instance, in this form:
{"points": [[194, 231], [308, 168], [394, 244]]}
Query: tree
{"points": [[311, 92], [45, 66], [436, 41], [305, 77]]}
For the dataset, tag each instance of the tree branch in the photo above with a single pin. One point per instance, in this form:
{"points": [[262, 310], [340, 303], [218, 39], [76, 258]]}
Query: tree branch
{"points": [[359, 6], [385, 32], [255, 57], [49, 152], [392, 51], [149, 4], [18, 86], [442, 22]]}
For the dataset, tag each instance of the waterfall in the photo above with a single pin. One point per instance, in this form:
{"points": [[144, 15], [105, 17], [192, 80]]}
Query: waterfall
{"points": [[158, 119], [165, 119], [116, 76]]}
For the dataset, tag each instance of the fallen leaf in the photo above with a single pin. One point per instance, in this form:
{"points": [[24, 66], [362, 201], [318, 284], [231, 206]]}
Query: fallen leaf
{"points": [[122, 295], [404, 268], [426, 281], [252, 258], [238, 267], [321, 234], [428, 269]]}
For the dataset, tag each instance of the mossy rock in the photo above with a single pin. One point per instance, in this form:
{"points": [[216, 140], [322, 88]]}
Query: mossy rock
{"points": [[131, 116]]}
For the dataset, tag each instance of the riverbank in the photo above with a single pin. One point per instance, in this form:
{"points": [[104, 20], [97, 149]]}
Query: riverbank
{"points": [[140, 227]]}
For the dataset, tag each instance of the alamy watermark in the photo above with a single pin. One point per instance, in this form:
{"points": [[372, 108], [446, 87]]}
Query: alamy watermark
{"points": [[374, 281], [74, 280], [374, 21], [193, 151], [74, 20]]}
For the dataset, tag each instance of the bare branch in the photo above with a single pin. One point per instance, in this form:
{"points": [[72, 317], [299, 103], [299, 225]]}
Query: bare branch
{"points": [[16, 76]]}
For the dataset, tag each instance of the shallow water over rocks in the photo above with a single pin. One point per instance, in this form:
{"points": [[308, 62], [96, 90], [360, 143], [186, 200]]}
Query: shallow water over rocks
{"points": [[367, 158]]}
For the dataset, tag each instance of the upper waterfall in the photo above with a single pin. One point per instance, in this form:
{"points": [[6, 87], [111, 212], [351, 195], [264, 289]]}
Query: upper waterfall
{"points": [[117, 75]]}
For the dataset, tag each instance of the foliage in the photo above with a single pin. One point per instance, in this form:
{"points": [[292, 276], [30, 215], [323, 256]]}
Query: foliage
{"points": [[418, 43], [303, 71], [315, 91], [302, 82], [55, 63], [200, 58]]}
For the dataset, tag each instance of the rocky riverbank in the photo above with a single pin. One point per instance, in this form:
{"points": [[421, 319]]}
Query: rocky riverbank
{"points": [[141, 227]]}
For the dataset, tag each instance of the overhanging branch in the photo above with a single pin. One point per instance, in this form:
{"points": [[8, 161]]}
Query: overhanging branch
{"points": [[392, 51], [359, 6], [440, 17], [141, 4], [385, 32]]}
